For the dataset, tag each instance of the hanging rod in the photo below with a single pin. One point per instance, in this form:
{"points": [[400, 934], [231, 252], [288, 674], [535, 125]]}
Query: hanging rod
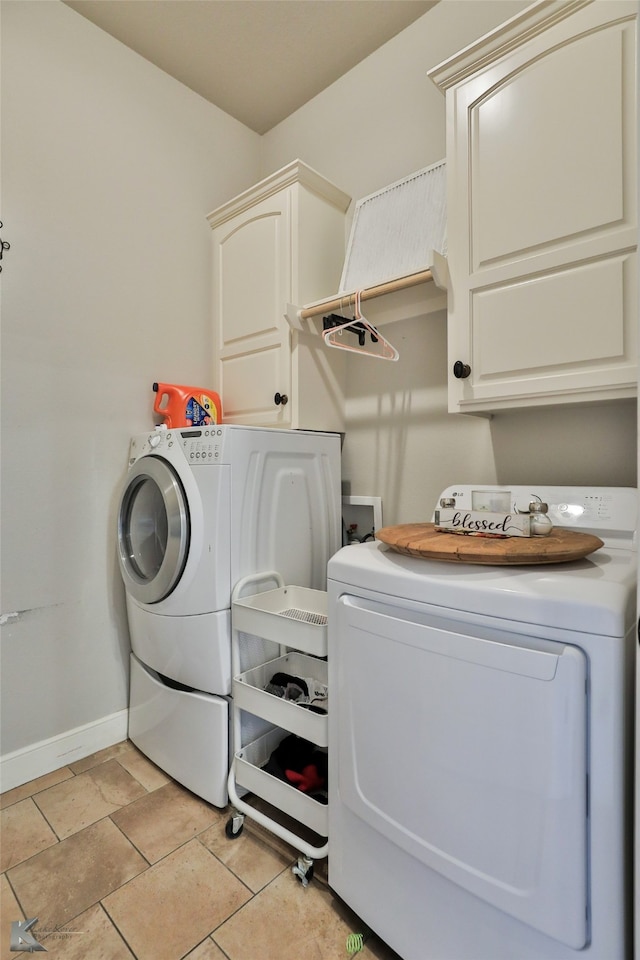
{"points": [[369, 293], [437, 273]]}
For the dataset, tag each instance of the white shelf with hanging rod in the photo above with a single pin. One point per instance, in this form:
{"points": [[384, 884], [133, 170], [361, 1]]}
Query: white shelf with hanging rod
{"points": [[395, 261], [432, 298]]}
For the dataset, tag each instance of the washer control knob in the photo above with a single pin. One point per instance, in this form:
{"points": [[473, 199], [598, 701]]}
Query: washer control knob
{"points": [[461, 370], [154, 440], [281, 398]]}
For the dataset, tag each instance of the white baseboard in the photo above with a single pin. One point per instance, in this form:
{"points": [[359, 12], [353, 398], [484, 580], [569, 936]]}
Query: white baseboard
{"points": [[34, 761]]}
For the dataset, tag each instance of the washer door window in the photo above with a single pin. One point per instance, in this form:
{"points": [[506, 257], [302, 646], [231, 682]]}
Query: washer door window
{"points": [[153, 530]]}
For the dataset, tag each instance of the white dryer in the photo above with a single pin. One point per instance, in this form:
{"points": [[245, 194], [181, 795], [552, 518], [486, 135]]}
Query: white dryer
{"points": [[480, 743], [201, 508]]}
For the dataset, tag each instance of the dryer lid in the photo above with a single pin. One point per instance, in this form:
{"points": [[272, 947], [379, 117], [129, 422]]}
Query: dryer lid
{"points": [[595, 595]]}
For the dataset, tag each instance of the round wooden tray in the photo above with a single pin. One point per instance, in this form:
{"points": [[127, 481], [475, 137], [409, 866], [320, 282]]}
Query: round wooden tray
{"points": [[423, 540]]}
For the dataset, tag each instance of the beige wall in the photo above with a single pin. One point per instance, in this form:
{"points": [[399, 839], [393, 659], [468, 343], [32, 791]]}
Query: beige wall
{"points": [[380, 122], [384, 119], [109, 168]]}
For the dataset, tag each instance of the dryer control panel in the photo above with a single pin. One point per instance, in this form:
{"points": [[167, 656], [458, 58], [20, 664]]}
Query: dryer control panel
{"points": [[609, 512]]}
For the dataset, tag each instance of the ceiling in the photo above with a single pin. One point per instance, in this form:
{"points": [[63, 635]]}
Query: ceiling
{"points": [[258, 60]]}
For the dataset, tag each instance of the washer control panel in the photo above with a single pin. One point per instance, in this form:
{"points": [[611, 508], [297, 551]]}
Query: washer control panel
{"points": [[199, 445]]}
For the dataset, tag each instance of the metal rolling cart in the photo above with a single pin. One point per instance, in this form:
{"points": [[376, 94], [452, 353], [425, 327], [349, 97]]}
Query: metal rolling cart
{"points": [[282, 630]]}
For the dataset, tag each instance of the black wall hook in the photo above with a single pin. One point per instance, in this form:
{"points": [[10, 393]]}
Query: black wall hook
{"points": [[333, 320], [3, 246]]}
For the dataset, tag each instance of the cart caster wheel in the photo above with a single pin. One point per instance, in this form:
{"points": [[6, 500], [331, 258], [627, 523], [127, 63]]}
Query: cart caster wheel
{"points": [[234, 827], [303, 870]]}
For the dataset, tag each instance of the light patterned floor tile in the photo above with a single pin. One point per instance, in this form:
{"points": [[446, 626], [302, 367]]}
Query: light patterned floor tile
{"points": [[91, 935], [62, 882], [163, 820], [34, 786], [25, 832], [288, 922], [145, 772], [97, 898], [10, 912], [254, 858], [88, 797], [176, 904], [117, 750], [207, 951]]}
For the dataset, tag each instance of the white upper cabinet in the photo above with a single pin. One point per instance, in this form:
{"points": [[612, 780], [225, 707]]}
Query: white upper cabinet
{"points": [[280, 242], [542, 208]]}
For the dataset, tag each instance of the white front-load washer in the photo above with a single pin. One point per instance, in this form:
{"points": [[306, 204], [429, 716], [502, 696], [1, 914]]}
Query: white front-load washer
{"points": [[480, 743], [200, 509]]}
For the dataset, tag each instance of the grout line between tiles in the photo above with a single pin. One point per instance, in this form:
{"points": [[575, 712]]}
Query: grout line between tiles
{"points": [[223, 952], [221, 862], [129, 840], [267, 840], [35, 793], [15, 894], [117, 928], [46, 820], [243, 905]]}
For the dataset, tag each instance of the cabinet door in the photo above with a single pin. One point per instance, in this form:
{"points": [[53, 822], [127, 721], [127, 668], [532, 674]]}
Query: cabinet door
{"points": [[542, 217], [252, 281]]}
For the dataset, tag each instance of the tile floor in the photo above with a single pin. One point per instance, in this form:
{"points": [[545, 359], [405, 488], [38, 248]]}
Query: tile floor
{"points": [[117, 862]]}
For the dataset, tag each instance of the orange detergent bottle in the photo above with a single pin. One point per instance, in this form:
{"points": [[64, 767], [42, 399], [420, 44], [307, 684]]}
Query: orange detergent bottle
{"points": [[186, 406]]}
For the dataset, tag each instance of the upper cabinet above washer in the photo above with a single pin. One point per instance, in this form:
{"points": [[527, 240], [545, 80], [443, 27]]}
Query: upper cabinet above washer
{"points": [[542, 208], [279, 242]]}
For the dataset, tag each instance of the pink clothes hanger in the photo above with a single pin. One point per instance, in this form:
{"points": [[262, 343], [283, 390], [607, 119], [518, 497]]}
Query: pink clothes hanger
{"points": [[384, 351]]}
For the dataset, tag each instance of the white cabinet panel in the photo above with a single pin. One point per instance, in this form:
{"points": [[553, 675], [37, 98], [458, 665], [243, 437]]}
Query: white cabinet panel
{"points": [[546, 150], [542, 209], [244, 381], [280, 242], [552, 308], [249, 304]]}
